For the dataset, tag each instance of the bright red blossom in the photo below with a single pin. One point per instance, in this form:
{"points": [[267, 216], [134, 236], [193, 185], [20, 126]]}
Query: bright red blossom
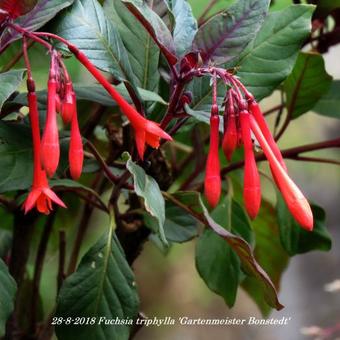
{"points": [[251, 186], [212, 180], [41, 195], [50, 151], [146, 131]]}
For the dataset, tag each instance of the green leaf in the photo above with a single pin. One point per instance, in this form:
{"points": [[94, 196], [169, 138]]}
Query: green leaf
{"points": [[155, 26], [297, 240], [9, 82], [270, 57], [306, 84], [16, 169], [85, 25], [248, 261], [147, 188], [142, 50], [224, 37], [240, 224], [179, 226], [42, 13], [5, 242], [329, 104], [102, 287], [216, 262], [185, 28], [8, 289], [218, 265], [268, 253]]}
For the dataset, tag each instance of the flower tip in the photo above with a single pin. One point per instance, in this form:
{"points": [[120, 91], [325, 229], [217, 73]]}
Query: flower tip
{"points": [[212, 190], [252, 199], [302, 213]]}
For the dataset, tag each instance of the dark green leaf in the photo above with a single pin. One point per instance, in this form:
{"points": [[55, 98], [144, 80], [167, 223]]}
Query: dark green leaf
{"points": [[103, 286], [7, 294], [296, 240], [270, 57], [224, 37], [268, 253], [179, 226], [142, 50], [329, 104], [218, 265], [185, 28], [147, 188], [155, 26], [5, 242], [216, 262], [326, 6], [9, 82], [42, 13], [240, 224], [85, 25], [16, 169], [306, 84], [248, 261]]}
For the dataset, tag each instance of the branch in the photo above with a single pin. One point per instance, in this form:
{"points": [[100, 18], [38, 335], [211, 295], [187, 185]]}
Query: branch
{"points": [[292, 153]]}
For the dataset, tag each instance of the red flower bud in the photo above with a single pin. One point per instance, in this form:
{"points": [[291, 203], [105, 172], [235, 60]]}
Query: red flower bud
{"points": [[40, 195], [50, 141], [252, 186], [68, 105], [212, 181], [230, 137], [76, 152], [295, 200]]}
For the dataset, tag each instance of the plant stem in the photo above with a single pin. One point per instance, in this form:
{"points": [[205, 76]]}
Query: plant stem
{"points": [[38, 268], [62, 257], [292, 153]]}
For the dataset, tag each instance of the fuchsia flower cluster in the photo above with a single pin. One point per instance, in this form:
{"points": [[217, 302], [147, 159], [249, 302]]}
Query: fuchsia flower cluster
{"points": [[243, 122], [61, 99], [243, 119]]}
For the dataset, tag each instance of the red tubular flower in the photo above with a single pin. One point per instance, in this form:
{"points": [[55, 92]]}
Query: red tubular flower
{"points": [[76, 152], [146, 131], [229, 142], [50, 151], [252, 186], [68, 104], [41, 195], [212, 180], [295, 200], [255, 110]]}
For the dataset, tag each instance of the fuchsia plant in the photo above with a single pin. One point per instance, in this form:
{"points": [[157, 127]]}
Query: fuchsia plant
{"points": [[189, 91]]}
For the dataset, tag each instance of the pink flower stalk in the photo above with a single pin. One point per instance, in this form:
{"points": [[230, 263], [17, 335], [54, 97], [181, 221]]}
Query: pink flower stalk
{"points": [[76, 152], [68, 103], [212, 180], [251, 186], [295, 200], [50, 151], [40, 195], [146, 131], [230, 138]]}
